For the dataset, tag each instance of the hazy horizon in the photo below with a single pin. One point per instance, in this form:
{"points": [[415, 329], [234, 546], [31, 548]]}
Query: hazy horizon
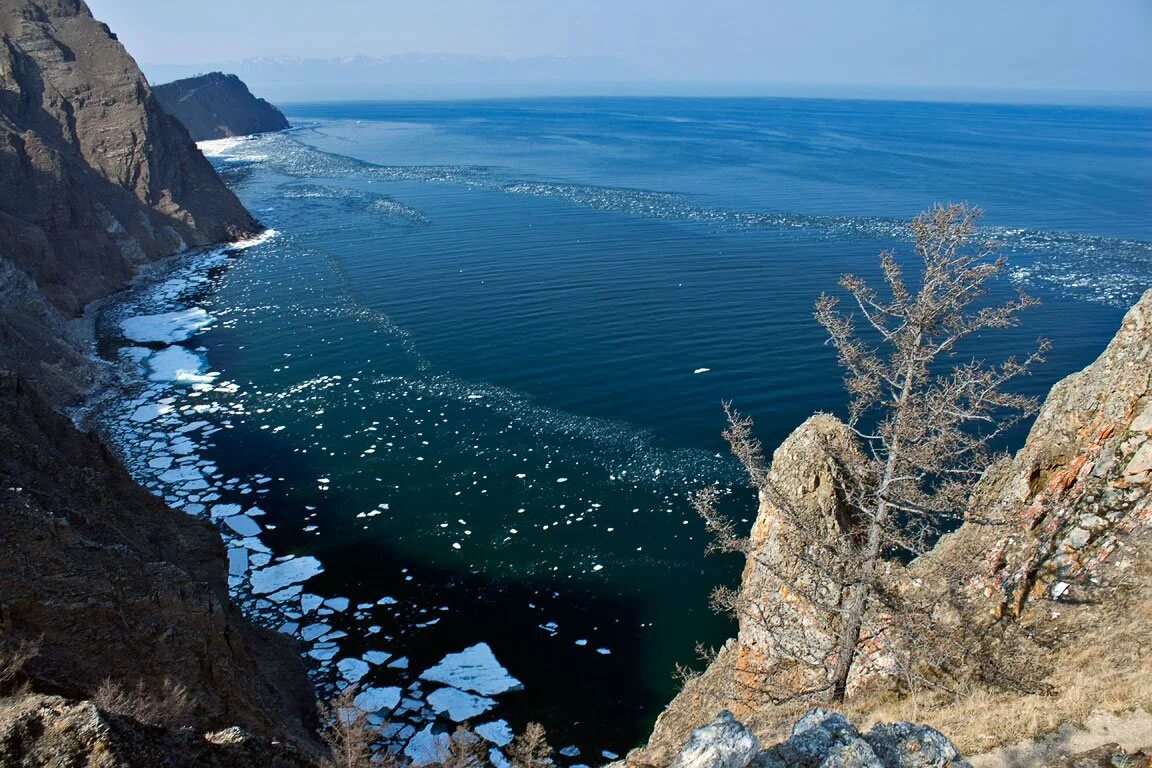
{"points": [[1026, 51]]}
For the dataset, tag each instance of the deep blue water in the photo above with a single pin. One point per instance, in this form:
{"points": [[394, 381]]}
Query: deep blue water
{"points": [[516, 296]]}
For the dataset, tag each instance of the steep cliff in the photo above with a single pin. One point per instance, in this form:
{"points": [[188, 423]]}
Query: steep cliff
{"points": [[1055, 565], [216, 106], [109, 583], [118, 594], [95, 178]]}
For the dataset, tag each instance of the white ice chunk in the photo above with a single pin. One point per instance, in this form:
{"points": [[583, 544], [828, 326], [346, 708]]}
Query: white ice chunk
{"points": [[427, 746], [167, 328], [237, 561], [178, 364], [459, 706], [243, 525], [377, 699], [499, 732], [279, 575], [352, 669], [473, 669]]}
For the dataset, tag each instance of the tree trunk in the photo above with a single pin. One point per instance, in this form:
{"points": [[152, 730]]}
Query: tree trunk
{"points": [[858, 603]]}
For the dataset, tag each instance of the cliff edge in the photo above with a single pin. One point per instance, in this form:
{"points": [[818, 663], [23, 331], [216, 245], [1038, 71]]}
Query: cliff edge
{"points": [[1052, 567], [217, 106]]}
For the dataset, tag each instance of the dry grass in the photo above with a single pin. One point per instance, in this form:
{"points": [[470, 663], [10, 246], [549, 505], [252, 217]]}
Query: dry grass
{"points": [[1101, 663], [169, 705], [14, 657]]}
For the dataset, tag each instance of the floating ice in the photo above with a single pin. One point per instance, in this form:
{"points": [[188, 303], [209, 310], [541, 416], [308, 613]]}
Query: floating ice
{"points": [[473, 669], [237, 561], [279, 575], [352, 670], [377, 657], [243, 525], [313, 631], [459, 706], [498, 732], [225, 510], [377, 699], [181, 475], [427, 746], [178, 364], [149, 412], [167, 328]]}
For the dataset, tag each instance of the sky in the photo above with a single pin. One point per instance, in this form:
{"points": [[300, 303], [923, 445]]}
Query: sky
{"points": [[1066, 45]]}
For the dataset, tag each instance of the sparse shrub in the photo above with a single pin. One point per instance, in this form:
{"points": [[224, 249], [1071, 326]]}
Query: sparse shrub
{"points": [[347, 732], [530, 749], [466, 750], [14, 657], [170, 705]]}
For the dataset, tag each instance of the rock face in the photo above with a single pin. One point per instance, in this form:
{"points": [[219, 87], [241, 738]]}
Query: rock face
{"points": [[820, 739], [48, 730], [1080, 485], [95, 178], [113, 584], [1052, 524], [217, 106]]}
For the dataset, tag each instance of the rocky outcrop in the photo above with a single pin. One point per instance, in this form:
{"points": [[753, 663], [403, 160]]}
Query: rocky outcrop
{"points": [[1064, 524], [40, 731], [112, 584], [819, 739], [1048, 522], [216, 106], [95, 178]]}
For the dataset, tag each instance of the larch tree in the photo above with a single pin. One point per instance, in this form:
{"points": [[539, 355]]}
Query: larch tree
{"points": [[925, 421]]}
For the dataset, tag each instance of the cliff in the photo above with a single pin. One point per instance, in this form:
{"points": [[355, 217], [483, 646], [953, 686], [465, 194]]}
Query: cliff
{"points": [[109, 583], [95, 180], [1051, 568], [216, 106], [120, 597]]}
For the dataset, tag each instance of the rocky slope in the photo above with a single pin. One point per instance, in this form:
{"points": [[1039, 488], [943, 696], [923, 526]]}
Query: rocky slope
{"points": [[100, 577], [95, 179], [109, 583], [216, 106], [38, 731], [1053, 563]]}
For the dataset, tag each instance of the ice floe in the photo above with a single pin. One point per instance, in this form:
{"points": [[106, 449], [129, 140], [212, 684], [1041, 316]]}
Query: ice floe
{"points": [[498, 732], [178, 364], [459, 705], [377, 699], [166, 328], [473, 669], [427, 746], [279, 575]]}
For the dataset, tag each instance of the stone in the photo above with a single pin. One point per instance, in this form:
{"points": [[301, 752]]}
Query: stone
{"points": [[723, 743], [907, 745]]}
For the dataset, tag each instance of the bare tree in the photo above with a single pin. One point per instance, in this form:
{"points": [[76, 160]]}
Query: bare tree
{"points": [[923, 428], [530, 749], [346, 731]]}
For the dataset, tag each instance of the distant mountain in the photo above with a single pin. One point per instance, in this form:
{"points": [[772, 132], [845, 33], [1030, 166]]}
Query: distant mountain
{"points": [[404, 75], [216, 106]]}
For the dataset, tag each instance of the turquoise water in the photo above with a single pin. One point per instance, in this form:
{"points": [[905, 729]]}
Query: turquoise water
{"points": [[466, 368]]}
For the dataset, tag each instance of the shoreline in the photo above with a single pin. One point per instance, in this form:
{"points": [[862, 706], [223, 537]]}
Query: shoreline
{"points": [[159, 419]]}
